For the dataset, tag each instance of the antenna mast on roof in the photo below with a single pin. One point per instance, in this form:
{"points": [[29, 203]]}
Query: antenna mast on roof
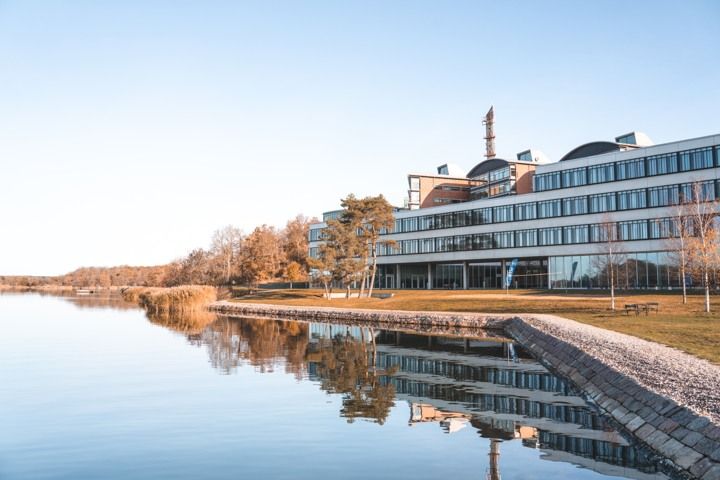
{"points": [[489, 123]]}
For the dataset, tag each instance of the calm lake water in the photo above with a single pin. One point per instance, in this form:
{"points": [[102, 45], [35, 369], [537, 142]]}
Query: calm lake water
{"points": [[92, 388]]}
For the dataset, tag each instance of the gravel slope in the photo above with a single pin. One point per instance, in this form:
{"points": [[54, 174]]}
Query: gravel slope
{"points": [[690, 381]]}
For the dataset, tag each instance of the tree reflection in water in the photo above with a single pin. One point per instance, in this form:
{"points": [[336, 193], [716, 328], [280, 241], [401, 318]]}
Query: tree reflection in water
{"points": [[346, 365], [342, 363]]}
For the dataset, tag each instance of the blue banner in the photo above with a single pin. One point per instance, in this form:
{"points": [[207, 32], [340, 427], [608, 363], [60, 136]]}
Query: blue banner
{"points": [[510, 271]]}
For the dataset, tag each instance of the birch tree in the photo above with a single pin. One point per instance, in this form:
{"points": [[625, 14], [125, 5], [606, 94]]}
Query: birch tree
{"points": [[705, 242], [226, 246], [611, 253]]}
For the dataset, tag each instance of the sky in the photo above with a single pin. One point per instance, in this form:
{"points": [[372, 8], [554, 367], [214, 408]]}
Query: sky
{"points": [[131, 130]]}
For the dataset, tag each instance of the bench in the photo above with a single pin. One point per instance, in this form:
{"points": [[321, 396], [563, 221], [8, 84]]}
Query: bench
{"points": [[642, 307], [632, 307]]}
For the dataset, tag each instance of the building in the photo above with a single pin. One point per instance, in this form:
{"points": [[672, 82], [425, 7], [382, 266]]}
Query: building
{"points": [[548, 229]]}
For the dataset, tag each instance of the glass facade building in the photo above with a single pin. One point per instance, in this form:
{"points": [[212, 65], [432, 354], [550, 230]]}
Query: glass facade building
{"points": [[555, 236]]}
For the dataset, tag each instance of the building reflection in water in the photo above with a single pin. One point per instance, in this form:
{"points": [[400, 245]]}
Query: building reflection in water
{"points": [[489, 385]]}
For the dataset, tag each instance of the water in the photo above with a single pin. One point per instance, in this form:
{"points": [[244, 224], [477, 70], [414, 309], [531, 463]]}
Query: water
{"points": [[91, 388]]}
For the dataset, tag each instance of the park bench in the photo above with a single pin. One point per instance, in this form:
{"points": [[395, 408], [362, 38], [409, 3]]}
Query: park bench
{"points": [[632, 307], [642, 307]]}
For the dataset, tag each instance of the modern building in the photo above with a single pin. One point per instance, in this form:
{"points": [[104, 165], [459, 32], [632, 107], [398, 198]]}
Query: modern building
{"points": [[547, 226]]}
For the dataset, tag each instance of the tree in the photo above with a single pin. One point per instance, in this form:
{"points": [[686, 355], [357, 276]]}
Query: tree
{"points": [[378, 218], [704, 243], [679, 241], [611, 253], [191, 270], [295, 240], [294, 273], [261, 255], [347, 250], [226, 245], [370, 217], [323, 267]]}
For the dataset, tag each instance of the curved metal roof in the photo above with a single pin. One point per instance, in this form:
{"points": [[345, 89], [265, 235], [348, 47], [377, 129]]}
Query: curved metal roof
{"points": [[590, 149], [486, 166]]}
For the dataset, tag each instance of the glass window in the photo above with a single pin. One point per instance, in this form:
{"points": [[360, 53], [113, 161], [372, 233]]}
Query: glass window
{"points": [[427, 222], [503, 214], [443, 244], [448, 276], [549, 208], [481, 216], [662, 164], [604, 202], [575, 206], [504, 240], [662, 228], [601, 232], [414, 183], [550, 236], [635, 230], [630, 169], [526, 238], [427, 245], [546, 181], [500, 174], [525, 211], [601, 173], [482, 241], [500, 189], [576, 234], [690, 191], [664, 196], [315, 234], [696, 159], [630, 199], [574, 178]]}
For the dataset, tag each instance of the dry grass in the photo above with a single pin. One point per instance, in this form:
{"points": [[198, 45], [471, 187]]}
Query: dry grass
{"points": [[685, 327], [182, 299]]}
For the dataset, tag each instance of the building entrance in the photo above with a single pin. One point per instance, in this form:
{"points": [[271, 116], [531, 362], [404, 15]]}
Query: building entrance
{"points": [[417, 281]]}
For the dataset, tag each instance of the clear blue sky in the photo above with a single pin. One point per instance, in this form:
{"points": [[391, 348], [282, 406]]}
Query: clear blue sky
{"points": [[130, 130]]}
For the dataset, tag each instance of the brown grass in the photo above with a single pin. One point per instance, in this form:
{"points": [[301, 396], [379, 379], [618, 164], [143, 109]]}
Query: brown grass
{"points": [[685, 327], [185, 298]]}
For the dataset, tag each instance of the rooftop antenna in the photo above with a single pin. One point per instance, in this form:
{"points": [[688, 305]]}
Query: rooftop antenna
{"points": [[489, 123]]}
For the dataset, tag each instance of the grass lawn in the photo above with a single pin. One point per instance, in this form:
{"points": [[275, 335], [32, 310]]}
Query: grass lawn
{"points": [[685, 327]]}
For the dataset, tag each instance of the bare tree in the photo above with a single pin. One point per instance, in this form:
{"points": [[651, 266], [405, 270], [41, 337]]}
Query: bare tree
{"points": [[703, 245], [226, 245], [679, 234], [611, 253]]}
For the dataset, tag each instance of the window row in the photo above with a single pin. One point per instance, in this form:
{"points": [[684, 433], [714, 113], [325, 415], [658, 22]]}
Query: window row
{"points": [[653, 229], [663, 196], [684, 161]]}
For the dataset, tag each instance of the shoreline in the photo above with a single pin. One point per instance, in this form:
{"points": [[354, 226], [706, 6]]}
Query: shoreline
{"points": [[667, 399]]}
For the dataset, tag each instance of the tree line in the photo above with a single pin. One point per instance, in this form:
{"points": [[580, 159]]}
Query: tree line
{"points": [[232, 258]]}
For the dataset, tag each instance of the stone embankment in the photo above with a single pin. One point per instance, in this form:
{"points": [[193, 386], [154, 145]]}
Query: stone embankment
{"points": [[441, 323], [667, 399]]}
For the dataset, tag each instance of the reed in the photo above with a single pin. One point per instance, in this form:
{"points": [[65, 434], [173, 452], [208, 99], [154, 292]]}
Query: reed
{"points": [[182, 299]]}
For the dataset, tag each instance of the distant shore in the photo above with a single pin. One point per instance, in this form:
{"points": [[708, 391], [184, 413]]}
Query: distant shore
{"points": [[55, 288]]}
